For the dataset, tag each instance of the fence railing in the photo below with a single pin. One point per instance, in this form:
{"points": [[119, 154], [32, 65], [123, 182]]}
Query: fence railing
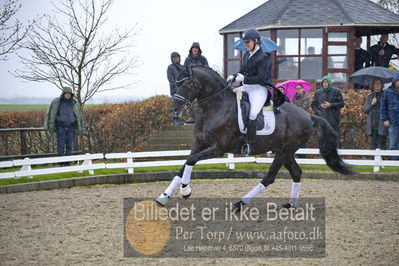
{"points": [[32, 142], [86, 162]]}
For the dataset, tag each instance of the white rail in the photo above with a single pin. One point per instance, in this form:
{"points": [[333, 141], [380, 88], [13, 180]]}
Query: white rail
{"points": [[376, 160]]}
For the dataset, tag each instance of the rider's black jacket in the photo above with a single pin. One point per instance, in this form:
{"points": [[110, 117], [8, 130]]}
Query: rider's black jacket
{"points": [[255, 69]]}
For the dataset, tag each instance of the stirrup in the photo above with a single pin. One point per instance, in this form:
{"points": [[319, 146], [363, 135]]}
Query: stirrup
{"points": [[246, 149]]}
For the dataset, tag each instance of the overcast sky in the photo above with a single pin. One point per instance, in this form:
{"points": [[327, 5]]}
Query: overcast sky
{"points": [[165, 26]]}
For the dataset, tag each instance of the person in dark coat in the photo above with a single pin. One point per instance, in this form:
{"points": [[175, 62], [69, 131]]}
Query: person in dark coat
{"points": [[374, 125], [362, 58], [382, 52], [172, 73], [282, 89], [64, 117], [328, 102], [389, 113], [195, 56], [269, 68], [254, 77]]}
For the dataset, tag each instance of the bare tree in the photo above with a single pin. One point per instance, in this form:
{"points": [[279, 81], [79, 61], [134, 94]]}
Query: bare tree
{"points": [[11, 32], [77, 53], [391, 5]]}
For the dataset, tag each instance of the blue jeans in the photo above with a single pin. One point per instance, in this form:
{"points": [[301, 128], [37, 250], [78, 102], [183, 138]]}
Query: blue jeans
{"points": [[394, 139], [65, 137]]}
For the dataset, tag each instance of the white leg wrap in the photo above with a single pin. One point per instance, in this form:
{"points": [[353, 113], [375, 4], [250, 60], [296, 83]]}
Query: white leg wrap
{"points": [[186, 174], [295, 188], [173, 186], [252, 194]]}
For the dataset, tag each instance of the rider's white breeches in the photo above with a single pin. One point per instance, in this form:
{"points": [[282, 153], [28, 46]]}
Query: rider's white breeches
{"points": [[257, 97]]}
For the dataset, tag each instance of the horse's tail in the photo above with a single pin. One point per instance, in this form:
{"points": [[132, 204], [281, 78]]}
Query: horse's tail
{"points": [[328, 143]]}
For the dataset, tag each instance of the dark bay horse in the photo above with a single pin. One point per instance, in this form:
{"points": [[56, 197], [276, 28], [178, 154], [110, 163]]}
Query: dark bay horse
{"points": [[216, 132]]}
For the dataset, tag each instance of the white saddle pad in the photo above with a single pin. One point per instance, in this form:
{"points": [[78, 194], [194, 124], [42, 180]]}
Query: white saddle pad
{"points": [[270, 121]]}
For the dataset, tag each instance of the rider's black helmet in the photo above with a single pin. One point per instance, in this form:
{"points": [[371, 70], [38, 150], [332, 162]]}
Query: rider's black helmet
{"points": [[250, 34]]}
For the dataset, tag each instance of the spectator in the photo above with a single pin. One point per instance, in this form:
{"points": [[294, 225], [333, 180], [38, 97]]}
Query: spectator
{"points": [[194, 58], [382, 52], [311, 66], [327, 103], [269, 68], [301, 97], [374, 125], [65, 119], [282, 89], [287, 69], [172, 73], [362, 58], [389, 112]]}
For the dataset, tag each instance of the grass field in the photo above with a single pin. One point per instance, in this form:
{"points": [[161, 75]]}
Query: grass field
{"points": [[22, 107]]}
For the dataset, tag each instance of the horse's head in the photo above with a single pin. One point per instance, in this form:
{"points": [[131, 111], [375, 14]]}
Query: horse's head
{"points": [[188, 90]]}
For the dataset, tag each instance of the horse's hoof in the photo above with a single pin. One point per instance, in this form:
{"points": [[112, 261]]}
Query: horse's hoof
{"points": [[162, 199], [185, 191], [237, 206], [288, 206]]}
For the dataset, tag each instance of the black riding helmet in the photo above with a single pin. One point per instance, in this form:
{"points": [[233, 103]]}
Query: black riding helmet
{"points": [[250, 34]]}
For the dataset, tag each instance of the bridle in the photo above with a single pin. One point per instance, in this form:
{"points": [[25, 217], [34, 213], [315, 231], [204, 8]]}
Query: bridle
{"points": [[188, 103]]}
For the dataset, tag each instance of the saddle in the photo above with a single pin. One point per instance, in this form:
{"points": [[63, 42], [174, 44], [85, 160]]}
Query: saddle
{"points": [[278, 99], [245, 107]]}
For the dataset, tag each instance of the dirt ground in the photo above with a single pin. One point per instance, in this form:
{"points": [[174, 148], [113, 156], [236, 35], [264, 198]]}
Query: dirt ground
{"points": [[84, 225]]}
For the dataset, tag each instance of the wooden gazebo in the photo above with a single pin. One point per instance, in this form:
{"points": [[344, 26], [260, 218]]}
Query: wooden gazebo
{"points": [[315, 37]]}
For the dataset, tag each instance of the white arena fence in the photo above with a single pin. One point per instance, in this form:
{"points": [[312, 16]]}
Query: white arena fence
{"points": [[87, 161]]}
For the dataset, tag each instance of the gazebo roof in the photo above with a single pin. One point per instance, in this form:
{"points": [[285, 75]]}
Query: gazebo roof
{"points": [[306, 13]]}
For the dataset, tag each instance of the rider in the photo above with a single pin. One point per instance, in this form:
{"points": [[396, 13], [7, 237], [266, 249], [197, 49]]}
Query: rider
{"points": [[254, 75]]}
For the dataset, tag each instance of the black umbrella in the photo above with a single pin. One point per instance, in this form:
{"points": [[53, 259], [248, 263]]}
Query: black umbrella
{"points": [[366, 75]]}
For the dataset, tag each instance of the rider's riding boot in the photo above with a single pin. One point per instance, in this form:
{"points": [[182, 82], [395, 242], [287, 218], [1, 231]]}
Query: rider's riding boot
{"points": [[176, 121], [251, 133], [268, 98], [190, 120]]}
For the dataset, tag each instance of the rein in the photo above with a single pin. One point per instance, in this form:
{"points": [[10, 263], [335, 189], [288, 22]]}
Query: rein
{"points": [[213, 95]]}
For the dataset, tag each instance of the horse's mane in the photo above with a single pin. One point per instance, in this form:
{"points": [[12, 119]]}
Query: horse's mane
{"points": [[186, 73], [215, 74]]}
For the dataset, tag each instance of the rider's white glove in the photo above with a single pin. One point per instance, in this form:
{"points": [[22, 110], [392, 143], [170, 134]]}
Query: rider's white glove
{"points": [[230, 78], [239, 77]]}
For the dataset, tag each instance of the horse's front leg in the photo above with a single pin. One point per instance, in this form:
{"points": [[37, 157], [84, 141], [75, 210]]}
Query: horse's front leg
{"points": [[185, 172]]}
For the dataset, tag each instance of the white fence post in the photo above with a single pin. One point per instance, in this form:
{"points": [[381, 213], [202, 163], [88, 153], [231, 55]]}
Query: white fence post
{"points": [[377, 161], [130, 160], [87, 162], [231, 165], [26, 167]]}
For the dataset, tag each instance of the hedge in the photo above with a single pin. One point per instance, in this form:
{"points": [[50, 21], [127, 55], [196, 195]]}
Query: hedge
{"points": [[127, 127]]}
